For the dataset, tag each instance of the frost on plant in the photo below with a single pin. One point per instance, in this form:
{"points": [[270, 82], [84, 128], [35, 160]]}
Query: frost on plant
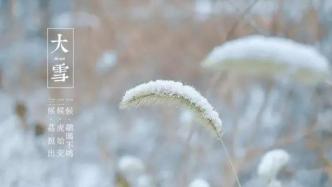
{"points": [[165, 91], [271, 163], [268, 55]]}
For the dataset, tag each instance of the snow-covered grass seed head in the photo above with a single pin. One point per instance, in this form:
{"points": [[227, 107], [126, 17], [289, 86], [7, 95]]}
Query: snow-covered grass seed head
{"points": [[271, 163], [171, 92], [260, 55]]}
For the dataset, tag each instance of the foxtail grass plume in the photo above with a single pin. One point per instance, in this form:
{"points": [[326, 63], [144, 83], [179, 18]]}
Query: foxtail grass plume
{"points": [[165, 92], [260, 55], [271, 163]]}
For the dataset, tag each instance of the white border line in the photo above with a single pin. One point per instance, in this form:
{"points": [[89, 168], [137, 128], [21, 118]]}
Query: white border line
{"points": [[73, 79], [47, 53]]}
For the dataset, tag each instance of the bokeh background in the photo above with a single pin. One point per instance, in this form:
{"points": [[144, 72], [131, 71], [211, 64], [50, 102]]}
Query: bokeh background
{"points": [[119, 44]]}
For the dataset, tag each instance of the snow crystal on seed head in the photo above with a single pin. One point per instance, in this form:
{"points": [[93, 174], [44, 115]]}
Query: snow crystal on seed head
{"points": [[177, 90]]}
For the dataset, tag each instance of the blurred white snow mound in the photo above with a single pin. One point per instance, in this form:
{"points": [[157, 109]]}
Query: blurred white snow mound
{"points": [[269, 52], [20, 159], [88, 175], [145, 181], [271, 163], [131, 165], [76, 19], [275, 183], [203, 9], [10, 130], [106, 61], [199, 183]]}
